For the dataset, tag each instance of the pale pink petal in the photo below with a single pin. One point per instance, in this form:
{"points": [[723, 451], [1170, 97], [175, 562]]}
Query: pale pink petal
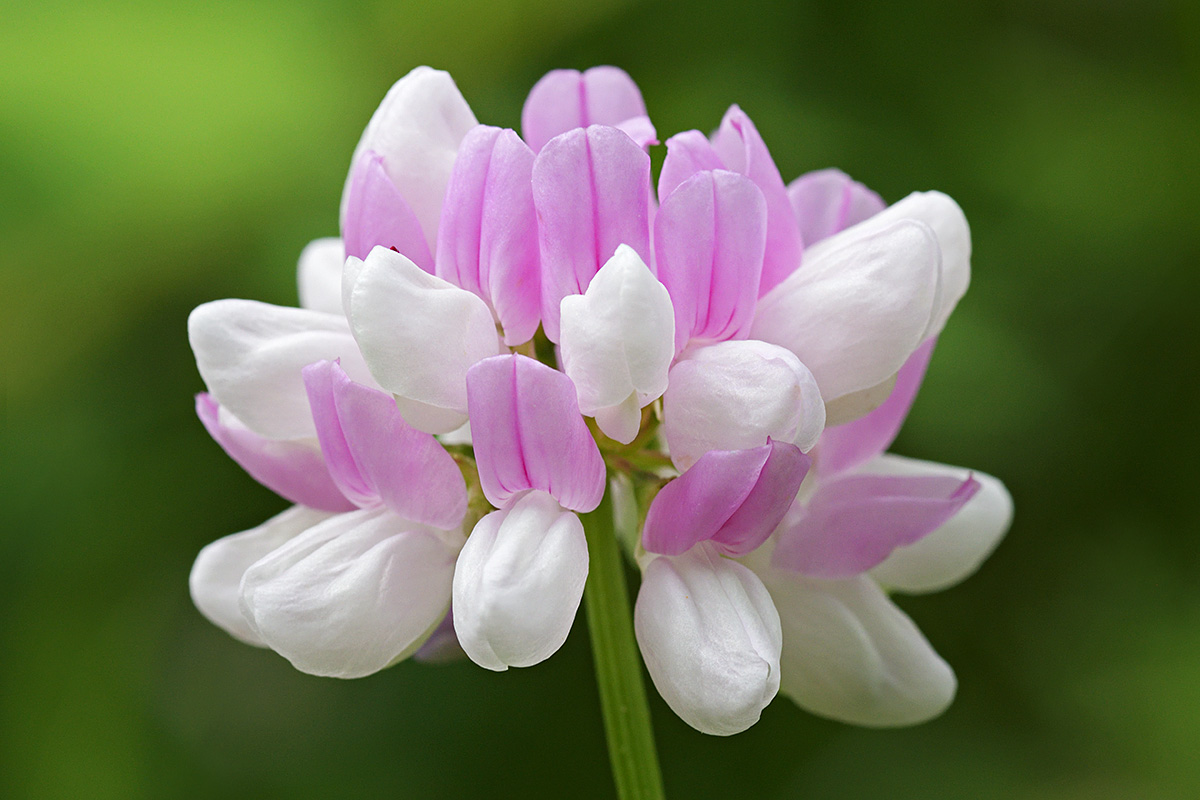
{"points": [[687, 153], [529, 434], [640, 129], [378, 216], [566, 99], [319, 275], [828, 201], [442, 646]]}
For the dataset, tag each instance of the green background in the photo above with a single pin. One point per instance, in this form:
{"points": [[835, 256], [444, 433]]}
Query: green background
{"points": [[154, 156]]}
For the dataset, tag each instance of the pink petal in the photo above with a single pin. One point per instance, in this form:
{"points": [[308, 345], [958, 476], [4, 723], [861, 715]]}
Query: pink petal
{"points": [[853, 523], [376, 457], [687, 153], [741, 148], [566, 99], [378, 215], [845, 446], [487, 242], [529, 434], [591, 191], [709, 237], [828, 201], [733, 497], [293, 469]]}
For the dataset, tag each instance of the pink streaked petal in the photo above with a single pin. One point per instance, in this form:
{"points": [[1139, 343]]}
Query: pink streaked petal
{"points": [[687, 153], [828, 201], [733, 497], [292, 468], [854, 522], [376, 457], [487, 242], [843, 447], [640, 129], [566, 99], [591, 191], [378, 215], [529, 434], [739, 145], [709, 237]]}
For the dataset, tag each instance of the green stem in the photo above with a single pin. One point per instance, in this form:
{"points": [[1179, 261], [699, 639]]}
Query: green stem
{"points": [[618, 666]]}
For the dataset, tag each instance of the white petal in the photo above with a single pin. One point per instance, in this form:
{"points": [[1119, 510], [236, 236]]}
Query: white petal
{"points": [[857, 308], [518, 583], [618, 338], [710, 637], [734, 395], [353, 594], [621, 422], [419, 334], [250, 355], [955, 550], [851, 655], [417, 129], [219, 568], [319, 275]]}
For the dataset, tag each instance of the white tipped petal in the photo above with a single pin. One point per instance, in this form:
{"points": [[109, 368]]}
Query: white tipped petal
{"points": [[710, 637], [319, 275], [518, 583]]}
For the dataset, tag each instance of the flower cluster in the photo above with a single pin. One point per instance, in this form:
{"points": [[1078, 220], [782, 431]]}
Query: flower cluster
{"points": [[508, 328]]}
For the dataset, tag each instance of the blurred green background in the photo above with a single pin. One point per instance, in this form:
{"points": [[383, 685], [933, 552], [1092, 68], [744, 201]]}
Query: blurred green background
{"points": [[156, 155]]}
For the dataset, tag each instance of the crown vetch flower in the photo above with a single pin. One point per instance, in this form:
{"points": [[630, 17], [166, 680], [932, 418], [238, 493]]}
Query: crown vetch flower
{"points": [[711, 328]]}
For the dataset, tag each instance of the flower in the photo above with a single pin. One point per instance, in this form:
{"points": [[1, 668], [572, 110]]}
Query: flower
{"points": [[745, 351]]}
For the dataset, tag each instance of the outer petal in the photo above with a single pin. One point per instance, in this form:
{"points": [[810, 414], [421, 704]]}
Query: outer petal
{"points": [[734, 395], [687, 153], [851, 655], [529, 434], [292, 468], [377, 214], [856, 312], [319, 275], [743, 150], [854, 522], [417, 129], [828, 201], [219, 567], [618, 339], [734, 498], [376, 457], [957, 548], [591, 188], [351, 595], [419, 335], [566, 99], [710, 637], [709, 237], [488, 243], [250, 355], [518, 583]]}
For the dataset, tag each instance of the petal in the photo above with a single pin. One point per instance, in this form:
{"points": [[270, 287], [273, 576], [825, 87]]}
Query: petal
{"points": [[417, 129], [735, 498], [687, 153], [849, 654], [250, 355], [219, 568], [846, 446], [351, 595], [591, 191], [292, 468], [487, 243], [734, 395], [419, 335], [711, 638], [708, 238], [739, 145], [319, 275], [853, 522], [518, 583], [828, 201], [956, 549], [565, 99], [529, 434], [618, 338], [856, 312], [442, 646], [378, 216], [376, 457]]}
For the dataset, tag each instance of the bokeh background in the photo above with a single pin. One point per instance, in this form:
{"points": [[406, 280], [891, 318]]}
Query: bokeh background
{"points": [[156, 155]]}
